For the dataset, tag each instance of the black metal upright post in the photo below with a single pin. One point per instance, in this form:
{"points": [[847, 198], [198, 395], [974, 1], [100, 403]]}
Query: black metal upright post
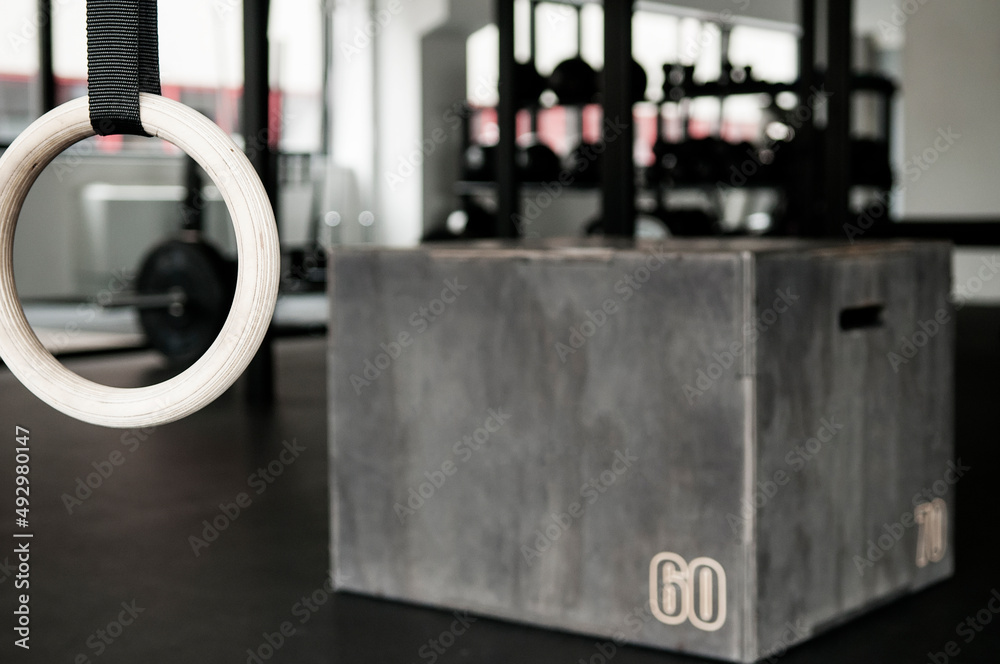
{"points": [[326, 128], [508, 196], [192, 210], [255, 124], [618, 131], [46, 71], [803, 218], [532, 38], [837, 172]]}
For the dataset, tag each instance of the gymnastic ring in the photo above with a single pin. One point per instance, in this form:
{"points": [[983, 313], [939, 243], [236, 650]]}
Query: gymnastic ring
{"points": [[256, 286]]}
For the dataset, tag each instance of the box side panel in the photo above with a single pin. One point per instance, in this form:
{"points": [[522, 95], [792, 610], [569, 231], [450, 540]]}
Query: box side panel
{"points": [[855, 416], [521, 437]]}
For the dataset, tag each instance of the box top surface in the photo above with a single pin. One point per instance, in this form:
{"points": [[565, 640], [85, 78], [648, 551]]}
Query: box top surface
{"points": [[596, 248]]}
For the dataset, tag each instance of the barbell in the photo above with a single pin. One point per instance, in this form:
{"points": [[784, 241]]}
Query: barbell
{"points": [[256, 281], [182, 294], [183, 291]]}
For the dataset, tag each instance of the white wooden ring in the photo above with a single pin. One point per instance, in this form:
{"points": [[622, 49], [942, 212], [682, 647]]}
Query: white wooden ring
{"points": [[256, 287]]}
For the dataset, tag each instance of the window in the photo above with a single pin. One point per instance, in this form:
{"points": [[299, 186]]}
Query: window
{"points": [[201, 64]]}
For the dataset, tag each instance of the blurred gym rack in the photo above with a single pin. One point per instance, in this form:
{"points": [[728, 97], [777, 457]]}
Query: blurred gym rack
{"points": [[826, 169]]}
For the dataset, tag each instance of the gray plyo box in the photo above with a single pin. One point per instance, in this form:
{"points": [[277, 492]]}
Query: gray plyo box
{"points": [[720, 447]]}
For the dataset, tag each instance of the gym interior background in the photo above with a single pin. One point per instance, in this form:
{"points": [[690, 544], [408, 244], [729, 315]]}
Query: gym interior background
{"points": [[385, 127]]}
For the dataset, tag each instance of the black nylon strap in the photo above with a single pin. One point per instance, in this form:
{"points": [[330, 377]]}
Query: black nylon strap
{"points": [[122, 61]]}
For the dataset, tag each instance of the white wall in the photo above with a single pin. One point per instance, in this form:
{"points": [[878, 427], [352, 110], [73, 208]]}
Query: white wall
{"points": [[951, 79], [444, 91], [200, 41], [399, 124], [382, 122], [783, 11]]}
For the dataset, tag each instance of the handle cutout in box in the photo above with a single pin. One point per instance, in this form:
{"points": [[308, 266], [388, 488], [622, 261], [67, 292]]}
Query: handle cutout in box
{"points": [[861, 318]]}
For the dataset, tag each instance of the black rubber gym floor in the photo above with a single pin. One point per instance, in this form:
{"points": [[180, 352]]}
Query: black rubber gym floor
{"points": [[114, 576]]}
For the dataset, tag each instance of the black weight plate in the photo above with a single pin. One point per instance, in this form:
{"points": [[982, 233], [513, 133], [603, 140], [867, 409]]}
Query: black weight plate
{"points": [[528, 84], [574, 81], [207, 279], [639, 82], [537, 163]]}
